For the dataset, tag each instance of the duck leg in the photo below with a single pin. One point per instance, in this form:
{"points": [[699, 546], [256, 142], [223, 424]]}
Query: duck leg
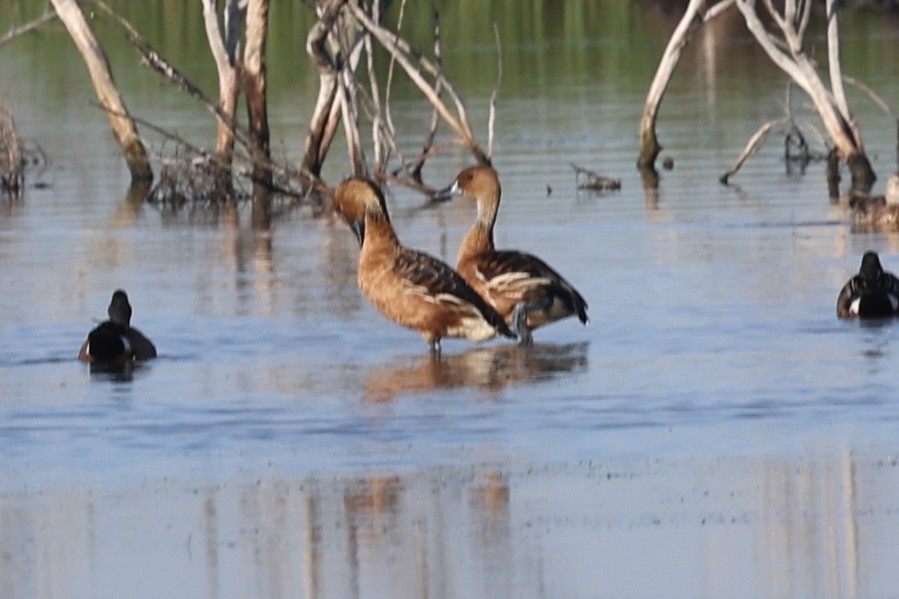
{"points": [[520, 324]]}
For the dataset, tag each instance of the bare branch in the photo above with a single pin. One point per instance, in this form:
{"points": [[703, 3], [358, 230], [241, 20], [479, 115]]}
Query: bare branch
{"points": [[164, 68], [388, 117], [784, 62], [871, 94], [752, 146], [716, 10], [27, 27], [833, 62], [405, 56], [108, 95], [499, 79], [649, 144], [435, 115], [213, 33]]}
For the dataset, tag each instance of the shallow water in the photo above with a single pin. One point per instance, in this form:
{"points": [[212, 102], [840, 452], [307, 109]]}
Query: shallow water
{"points": [[714, 431]]}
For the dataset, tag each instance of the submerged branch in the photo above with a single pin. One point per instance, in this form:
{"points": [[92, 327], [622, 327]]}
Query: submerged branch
{"points": [[594, 181], [752, 146]]}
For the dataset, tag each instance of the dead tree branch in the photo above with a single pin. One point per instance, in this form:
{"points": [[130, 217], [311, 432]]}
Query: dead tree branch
{"points": [[224, 50], [159, 64], [27, 27], [107, 93], [413, 63], [752, 146], [435, 115], [693, 18], [784, 46], [491, 119]]}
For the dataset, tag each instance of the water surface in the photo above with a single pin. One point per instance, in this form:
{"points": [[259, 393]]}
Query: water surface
{"points": [[714, 431]]}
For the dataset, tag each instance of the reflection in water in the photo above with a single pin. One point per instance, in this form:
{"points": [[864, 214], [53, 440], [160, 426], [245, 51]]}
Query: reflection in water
{"points": [[123, 372], [130, 209], [800, 526], [811, 545], [876, 342], [489, 367]]}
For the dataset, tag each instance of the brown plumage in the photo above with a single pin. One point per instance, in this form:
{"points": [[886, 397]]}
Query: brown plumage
{"points": [[877, 213], [115, 342], [526, 291], [409, 287]]}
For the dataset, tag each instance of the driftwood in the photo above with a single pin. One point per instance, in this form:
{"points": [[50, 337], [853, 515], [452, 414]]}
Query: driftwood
{"points": [[593, 180], [107, 93]]}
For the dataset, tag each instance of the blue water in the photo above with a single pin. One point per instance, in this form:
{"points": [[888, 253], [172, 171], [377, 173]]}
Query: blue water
{"points": [[283, 406]]}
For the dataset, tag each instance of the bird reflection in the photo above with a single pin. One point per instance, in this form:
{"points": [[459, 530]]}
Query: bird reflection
{"points": [[491, 368], [877, 341], [373, 495], [122, 372]]}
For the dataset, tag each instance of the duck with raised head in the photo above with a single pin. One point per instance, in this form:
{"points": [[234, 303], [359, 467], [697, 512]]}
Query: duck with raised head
{"points": [[409, 287], [115, 341], [526, 291], [872, 293]]}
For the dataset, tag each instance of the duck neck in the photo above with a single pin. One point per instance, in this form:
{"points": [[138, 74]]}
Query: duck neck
{"points": [[379, 233], [480, 236]]}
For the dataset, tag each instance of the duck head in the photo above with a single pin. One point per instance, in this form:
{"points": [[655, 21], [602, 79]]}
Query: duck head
{"points": [[119, 310], [479, 182], [356, 197], [871, 269]]}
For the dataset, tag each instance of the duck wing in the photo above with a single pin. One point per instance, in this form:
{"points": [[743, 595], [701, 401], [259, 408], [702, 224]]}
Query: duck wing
{"points": [[141, 346], [437, 281], [520, 274]]}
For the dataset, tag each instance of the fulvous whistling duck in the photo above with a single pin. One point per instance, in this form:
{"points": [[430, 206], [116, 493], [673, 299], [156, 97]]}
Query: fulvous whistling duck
{"points": [[409, 287], [872, 293], [115, 341], [526, 291]]}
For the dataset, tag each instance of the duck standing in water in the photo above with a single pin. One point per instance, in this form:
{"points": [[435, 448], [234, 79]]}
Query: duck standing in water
{"points": [[409, 287], [115, 341], [526, 291], [872, 293]]}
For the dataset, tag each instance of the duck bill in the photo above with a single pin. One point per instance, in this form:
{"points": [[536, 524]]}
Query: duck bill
{"points": [[447, 193], [358, 229]]}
